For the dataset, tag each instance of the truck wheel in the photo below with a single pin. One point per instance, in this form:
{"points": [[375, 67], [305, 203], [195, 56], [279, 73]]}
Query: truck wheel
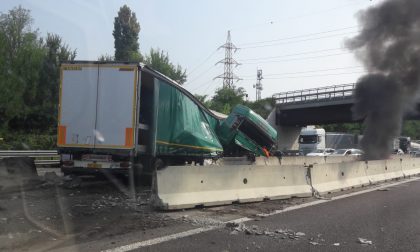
{"points": [[140, 177], [137, 170]]}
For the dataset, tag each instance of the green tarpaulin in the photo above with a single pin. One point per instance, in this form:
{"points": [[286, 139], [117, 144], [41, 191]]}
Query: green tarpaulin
{"points": [[182, 126]]}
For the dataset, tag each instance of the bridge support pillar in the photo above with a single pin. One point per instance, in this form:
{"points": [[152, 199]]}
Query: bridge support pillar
{"points": [[287, 136]]}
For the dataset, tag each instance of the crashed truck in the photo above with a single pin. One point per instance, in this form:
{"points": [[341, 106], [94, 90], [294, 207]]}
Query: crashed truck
{"points": [[120, 117]]}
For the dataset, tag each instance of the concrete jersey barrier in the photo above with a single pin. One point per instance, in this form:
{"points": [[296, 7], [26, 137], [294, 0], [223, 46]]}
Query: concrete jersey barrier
{"points": [[301, 160], [305, 160], [177, 187], [382, 170], [410, 166], [340, 159], [332, 177]]}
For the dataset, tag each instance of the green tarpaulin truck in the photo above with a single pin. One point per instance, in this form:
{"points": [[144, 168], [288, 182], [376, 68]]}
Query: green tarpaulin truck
{"points": [[117, 116]]}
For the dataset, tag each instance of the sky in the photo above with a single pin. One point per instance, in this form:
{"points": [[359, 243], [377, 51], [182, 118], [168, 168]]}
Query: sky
{"points": [[297, 44]]}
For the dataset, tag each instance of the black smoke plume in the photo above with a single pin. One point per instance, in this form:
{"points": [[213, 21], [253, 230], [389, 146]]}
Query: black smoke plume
{"points": [[389, 47]]}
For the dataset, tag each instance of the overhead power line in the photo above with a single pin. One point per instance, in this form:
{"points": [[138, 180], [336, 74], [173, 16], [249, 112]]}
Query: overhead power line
{"points": [[310, 76], [297, 36], [309, 71], [296, 59], [302, 40], [206, 84], [201, 74], [293, 54], [202, 62]]}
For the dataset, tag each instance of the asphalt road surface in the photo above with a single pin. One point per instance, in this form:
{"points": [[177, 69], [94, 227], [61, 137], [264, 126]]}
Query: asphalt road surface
{"points": [[389, 219]]}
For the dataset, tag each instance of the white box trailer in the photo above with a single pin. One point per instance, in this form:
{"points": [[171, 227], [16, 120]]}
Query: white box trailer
{"points": [[98, 108], [86, 117]]}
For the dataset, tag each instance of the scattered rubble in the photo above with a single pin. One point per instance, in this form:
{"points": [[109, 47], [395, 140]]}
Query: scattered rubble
{"points": [[203, 221], [318, 240], [72, 182], [51, 178], [69, 182], [237, 228], [111, 201], [364, 241], [290, 234]]}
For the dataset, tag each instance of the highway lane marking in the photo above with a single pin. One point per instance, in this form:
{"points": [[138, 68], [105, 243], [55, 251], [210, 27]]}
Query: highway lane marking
{"points": [[158, 240], [166, 238], [141, 244], [321, 201]]}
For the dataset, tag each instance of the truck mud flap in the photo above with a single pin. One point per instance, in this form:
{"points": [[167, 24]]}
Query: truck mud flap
{"points": [[180, 187]]}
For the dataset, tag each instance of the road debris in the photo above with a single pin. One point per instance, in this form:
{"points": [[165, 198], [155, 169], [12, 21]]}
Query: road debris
{"points": [[383, 189], [318, 240], [71, 182], [51, 178], [364, 241], [237, 228], [234, 232]]}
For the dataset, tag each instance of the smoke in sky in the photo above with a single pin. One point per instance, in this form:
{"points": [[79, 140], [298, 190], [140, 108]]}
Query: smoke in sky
{"points": [[389, 47]]}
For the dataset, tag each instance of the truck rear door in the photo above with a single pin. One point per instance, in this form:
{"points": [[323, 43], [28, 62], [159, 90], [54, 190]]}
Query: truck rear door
{"points": [[77, 111], [116, 106], [97, 106]]}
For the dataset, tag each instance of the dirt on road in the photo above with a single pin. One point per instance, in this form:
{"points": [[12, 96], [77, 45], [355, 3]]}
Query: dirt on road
{"points": [[46, 213]]}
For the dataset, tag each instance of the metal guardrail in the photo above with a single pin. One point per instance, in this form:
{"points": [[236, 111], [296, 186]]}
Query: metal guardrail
{"points": [[42, 157], [343, 91]]}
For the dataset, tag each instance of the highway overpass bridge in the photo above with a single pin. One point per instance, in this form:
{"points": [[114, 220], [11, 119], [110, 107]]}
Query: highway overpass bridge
{"points": [[324, 105]]}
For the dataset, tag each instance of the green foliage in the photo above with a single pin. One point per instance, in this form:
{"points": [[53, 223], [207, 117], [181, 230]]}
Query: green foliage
{"points": [[106, 57], [159, 61], [227, 98], [353, 128], [126, 35], [15, 27], [29, 78], [203, 99], [262, 107], [25, 141], [411, 129]]}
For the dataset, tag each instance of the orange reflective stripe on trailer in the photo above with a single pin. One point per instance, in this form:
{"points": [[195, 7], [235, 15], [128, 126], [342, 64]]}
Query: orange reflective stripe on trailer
{"points": [[128, 137], [61, 138]]}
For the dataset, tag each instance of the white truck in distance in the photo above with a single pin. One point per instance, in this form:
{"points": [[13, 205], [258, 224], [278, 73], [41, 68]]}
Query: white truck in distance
{"points": [[311, 139], [321, 143]]}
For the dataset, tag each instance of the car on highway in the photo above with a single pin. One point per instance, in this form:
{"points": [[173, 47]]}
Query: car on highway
{"points": [[348, 152], [321, 152]]}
